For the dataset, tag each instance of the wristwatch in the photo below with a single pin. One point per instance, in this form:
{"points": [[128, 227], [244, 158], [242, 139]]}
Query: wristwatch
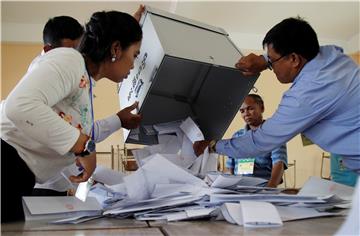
{"points": [[90, 147]]}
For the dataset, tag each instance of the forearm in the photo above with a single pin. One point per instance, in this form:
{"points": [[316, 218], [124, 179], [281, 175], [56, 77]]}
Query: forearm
{"points": [[105, 127], [79, 146], [276, 174], [243, 147]]}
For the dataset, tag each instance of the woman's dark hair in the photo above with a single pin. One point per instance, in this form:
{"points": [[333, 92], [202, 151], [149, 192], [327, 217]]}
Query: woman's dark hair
{"points": [[59, 28], [103, 29], [256, 98], [293, 35]]}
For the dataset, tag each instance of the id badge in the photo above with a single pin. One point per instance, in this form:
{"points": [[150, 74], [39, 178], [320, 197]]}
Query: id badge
{"points": [[245, 166]]}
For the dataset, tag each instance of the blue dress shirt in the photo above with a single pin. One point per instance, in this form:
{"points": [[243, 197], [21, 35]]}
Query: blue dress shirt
{"points": [[323, 103]]}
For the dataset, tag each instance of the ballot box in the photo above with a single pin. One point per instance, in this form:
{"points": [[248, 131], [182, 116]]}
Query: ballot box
{"points": [[185, 69]]}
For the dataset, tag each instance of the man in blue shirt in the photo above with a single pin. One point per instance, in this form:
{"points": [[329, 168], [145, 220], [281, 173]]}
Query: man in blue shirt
{"points": [[268, 166], [322, 102]]}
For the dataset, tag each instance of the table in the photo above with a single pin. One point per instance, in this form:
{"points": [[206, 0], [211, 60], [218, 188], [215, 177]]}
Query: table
{"points": [[318, 226], [110, 226]]}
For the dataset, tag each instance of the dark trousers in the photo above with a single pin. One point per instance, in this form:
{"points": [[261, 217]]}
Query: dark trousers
{"points": [[17, 180]]}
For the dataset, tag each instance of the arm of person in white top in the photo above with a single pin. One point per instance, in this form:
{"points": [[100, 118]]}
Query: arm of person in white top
{"points": [[124, 118]]}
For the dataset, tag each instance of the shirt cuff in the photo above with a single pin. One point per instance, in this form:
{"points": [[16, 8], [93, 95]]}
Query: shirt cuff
{"points": [[219, 147], [114, 123]]}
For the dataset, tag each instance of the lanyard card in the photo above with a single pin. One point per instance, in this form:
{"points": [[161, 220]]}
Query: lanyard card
{"points": [[245, 166]]}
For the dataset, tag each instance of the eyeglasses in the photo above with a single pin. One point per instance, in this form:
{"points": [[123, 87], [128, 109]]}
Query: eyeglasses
{"points": [[270, 63]]}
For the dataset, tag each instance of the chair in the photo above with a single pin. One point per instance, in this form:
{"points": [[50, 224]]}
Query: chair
{"points": [[325, 156], [221, 163], [128, 162], [106, 158]]}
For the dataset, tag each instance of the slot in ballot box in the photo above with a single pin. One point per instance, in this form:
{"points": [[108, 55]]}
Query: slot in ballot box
{"points": [[185, 69]]}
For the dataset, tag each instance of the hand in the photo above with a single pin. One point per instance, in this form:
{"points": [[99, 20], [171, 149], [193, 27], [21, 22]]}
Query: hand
{"points": [[251, 64], [200, 146], [128, 119], [139, 12], [89, 165]]}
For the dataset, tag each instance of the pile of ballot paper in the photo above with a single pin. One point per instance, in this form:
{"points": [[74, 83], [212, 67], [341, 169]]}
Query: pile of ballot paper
{"points": [[173, 184]]}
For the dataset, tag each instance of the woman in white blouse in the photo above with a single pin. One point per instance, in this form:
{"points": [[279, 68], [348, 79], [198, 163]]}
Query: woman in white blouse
{"points": [[47, 120]]}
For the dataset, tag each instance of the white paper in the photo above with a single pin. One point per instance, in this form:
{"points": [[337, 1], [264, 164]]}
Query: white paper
{"points": [[225, 213], [37, 208], [196, 166], [199, 212], [259, 214], [288, 213], [167, 170], [278, 198], [316, 186], [178, 160], [107, 176], [176, 216], [119, 188], [157, 204], [170, 143], [191, 130], [209, 163], [232, 213], [136, 185], [251, 181], [351, 225], [223, 181], [257, 189], [75, 220], [140, 155], [161, 190], [187, 150]]}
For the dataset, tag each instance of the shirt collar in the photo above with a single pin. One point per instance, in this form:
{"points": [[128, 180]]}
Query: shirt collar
{"points": [[247, 127], [323, 55]]}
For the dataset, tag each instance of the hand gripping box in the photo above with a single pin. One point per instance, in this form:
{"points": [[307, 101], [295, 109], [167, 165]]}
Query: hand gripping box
{"points": [[185, 68]]}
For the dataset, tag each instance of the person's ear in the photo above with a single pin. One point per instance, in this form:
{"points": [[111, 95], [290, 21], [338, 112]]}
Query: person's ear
{"points": [[296, 60], [115, 50], [47, 47]]}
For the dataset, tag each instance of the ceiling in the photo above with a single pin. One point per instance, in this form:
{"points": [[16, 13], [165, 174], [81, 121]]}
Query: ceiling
{"points": [[335, 20]]}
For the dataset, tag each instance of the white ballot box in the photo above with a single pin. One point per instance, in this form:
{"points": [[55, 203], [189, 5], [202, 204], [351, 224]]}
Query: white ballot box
{"points": [[185, 69]]}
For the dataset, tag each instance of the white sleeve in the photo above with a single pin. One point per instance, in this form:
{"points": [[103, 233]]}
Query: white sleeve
{"points": [[29, 105], [105, 127]]}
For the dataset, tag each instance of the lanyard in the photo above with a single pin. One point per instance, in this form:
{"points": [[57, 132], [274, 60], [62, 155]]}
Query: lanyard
{"points": [[92, 108]]}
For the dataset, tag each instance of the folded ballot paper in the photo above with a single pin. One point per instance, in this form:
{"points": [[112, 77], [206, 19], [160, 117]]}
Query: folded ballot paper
{"points": [[56, 208], [220, 180], [251, 214]]}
